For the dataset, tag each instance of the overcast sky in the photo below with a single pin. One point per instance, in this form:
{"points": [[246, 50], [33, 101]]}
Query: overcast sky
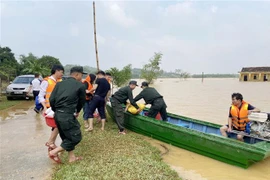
{"points": [[196, 36]]}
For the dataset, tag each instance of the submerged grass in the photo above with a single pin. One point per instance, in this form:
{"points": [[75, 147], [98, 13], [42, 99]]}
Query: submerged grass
{"points": [[4, 103], [108, 155]]}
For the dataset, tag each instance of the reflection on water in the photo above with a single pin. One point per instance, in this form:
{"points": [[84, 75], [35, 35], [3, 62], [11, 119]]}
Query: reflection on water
{"points": [[210, 101], [15, 111], [39, 122], [19, 113], [193, 166]]}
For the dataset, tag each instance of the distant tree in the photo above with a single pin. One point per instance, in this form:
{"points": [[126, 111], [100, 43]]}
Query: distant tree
{"points": [[6, 56], [179, 73], [186, 75], [182, 74], [120, 77], [34, 66], [215, 76], [90, 69], [136, 73], [2, 73], [8, 63], [87, 69], [48, 61], [24, 61], [152, 70]]}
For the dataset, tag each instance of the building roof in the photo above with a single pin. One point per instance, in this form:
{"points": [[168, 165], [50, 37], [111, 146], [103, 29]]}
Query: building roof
{"points": [[256, 69]]}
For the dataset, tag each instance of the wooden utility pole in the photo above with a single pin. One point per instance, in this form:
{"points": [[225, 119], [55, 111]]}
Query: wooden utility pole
{"points": [[95, 34], [202, 76]]}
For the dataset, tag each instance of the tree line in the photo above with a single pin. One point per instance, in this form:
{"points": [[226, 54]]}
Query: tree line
{"points": [[29, 64], [26, 64], [10, 67]]}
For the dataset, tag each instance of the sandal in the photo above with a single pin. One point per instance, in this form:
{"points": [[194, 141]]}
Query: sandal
{"points": [[79, 158], [50, 146], [55, 158]]}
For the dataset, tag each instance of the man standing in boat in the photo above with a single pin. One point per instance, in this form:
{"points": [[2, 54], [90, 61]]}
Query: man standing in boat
{"points": [[151, 96], [238, 116], [120, 97]]}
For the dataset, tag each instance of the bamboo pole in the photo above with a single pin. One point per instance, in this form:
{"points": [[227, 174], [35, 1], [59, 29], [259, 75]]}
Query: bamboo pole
{"points": [[202, 76], [95, 34]]}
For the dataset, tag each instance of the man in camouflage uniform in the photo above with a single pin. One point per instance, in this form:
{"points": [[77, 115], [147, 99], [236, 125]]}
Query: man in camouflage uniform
{"points": [[151, 96], [118, 99]]}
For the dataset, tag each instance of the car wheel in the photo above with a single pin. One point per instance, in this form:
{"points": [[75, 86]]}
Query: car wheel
{"points": [[9, 98]]}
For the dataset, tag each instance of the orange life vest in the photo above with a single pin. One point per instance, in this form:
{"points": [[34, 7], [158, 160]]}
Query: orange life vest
{"points": [[109, 81], [90, 86], [240, 116], [51, 85]]}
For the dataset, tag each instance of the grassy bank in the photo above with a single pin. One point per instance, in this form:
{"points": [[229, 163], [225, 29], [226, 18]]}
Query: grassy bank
{"points": [[4, 103], [108, 155]]}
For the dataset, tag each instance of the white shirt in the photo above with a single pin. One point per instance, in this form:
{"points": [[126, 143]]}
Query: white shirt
{"points": [[43, 88], [36, 84]]}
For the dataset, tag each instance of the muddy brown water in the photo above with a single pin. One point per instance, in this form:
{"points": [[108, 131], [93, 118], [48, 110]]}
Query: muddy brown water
{"points": [[23, 133], [209, 101]]}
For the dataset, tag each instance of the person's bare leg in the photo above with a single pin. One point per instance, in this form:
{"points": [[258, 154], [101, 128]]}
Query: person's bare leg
{"points": [[240, 137], [86, 124], [55, 151], [103, 124], [223, 131], [98, 119], [90, 121], [53, 154], [72, 157], [52, 139]]}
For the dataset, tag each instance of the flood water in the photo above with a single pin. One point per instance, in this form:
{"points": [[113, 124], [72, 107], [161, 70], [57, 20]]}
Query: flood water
{"points": [[209, 101], [23, 133]]}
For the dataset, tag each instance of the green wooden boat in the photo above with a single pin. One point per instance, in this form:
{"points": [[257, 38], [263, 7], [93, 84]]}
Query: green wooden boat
{"points": [[200, 137]]}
